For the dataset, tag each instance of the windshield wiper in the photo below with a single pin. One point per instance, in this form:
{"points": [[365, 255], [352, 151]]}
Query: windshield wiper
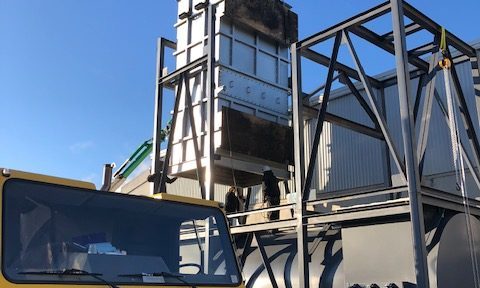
{"points": [[179, 277], [70, 272]]}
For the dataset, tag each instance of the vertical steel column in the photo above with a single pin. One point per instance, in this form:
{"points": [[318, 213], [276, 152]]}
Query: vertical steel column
{"points": [[157, 124], [299, 153], [210, 93], [210, 144], [411, 161]]}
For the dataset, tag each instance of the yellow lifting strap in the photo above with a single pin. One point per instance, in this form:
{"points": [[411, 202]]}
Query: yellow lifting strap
{"points": [[443, 40], [445, 63]]}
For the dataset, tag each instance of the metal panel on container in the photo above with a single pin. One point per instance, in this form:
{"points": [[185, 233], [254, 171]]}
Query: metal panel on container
{"points": [[244, 58], [253, 91]]}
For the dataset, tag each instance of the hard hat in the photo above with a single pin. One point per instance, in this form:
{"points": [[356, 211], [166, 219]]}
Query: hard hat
{"points": [[266, 168]]}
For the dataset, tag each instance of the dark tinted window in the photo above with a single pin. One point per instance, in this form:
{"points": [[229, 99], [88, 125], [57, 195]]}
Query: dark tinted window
{"points": [[122, 238]]}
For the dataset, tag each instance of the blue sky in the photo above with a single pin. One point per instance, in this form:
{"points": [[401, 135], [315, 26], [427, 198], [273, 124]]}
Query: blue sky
{"points": [[77, 76]]}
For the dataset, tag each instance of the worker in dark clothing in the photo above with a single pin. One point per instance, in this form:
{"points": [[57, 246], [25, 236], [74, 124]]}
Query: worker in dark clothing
{"points": [[271, 192], [232, 204], [168, 180]]}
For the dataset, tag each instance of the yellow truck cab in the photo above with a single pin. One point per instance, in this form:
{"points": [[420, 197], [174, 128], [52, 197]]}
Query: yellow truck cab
{"points": [[62, 232]]}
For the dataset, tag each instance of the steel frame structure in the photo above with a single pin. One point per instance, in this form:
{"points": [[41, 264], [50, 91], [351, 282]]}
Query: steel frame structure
{"points": [[409, 64], [394, 43]]}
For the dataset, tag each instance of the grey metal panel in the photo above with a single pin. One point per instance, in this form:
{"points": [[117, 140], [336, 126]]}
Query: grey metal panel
{"points": [[369, 258], [267, 66], [346, 159], [244, 58]]}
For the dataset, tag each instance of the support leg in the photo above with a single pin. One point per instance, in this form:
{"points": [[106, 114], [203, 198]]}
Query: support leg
{"points": [[411, 161]]}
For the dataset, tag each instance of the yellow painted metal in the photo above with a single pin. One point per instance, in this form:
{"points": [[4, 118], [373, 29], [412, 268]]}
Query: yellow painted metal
{"points": [[14, 174], [186, 200], [45, 179]]}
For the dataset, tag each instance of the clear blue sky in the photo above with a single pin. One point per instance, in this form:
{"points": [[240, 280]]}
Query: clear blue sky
{"points": [[77, 76]]}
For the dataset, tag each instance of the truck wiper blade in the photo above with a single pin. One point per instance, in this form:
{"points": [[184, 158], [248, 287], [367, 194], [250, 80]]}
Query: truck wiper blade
{"points": [[70, 272], [179, 277]]}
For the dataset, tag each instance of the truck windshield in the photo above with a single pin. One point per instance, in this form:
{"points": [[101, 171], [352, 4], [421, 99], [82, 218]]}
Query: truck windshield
{"points": [[121, 239]]}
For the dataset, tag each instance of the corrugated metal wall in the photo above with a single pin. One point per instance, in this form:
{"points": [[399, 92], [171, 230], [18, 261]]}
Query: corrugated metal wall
{"points": [[346, 159], [349, 160]]}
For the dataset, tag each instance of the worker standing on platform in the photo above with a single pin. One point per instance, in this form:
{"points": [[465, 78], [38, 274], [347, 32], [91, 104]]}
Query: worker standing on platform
{"points": [[232, 204], [271, 192]]}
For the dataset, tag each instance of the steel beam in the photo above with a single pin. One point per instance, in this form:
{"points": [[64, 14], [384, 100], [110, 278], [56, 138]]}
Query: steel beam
{"points": [[299, 153], [418, 96], [320, 118], [157, 124], [210, 92], [434, 28], [320, 88], [325, 61], [409, 29], [246, 248], [353, 126], [361, 18], [290, 223], [344, 195], [360, 99], [450, 201], [387, 46], [160, 181], [371, 211], [198, 156], [392, 80], [260, 210], [408, 135], [266, 263], [427, 112], [209, 143], [373, 102], [318, 239], [345, 123], [175, 75], [422, 50]]}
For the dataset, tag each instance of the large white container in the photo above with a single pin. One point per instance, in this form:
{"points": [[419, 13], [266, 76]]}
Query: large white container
{"points": [[251, 76]]}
